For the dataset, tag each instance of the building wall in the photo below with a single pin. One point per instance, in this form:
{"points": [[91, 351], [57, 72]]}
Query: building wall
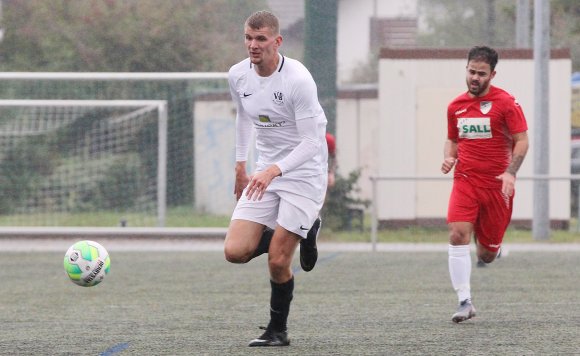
{"points": [[357, 119], [214, 159], [398, 128], [214, 132], [353, 30], [357, 19], [414, 90]]}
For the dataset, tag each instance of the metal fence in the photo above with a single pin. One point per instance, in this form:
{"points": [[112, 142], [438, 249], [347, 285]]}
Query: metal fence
{"points": [[375, 180]]}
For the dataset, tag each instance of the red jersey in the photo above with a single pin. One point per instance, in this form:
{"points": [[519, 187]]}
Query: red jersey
{"points": [[331, 142], [483, 129]]}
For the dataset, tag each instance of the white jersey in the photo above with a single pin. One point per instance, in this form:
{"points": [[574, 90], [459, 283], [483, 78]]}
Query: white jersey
{"points": [[272, 106]]}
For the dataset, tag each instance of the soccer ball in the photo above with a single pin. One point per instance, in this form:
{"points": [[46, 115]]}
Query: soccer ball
{"points": [[87, 263]]}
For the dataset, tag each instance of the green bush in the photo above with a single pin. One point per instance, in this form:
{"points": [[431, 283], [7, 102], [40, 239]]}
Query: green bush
{"points": [[340, 201], [21, 171]]}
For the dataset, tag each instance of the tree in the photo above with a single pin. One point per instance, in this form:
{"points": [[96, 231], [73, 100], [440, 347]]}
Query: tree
{"points": [[126, 35], [465, 23], [565, 28], [459, 23]]}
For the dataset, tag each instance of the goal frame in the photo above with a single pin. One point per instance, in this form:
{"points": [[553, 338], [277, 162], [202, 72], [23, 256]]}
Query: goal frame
{"points": [[159, 105]]}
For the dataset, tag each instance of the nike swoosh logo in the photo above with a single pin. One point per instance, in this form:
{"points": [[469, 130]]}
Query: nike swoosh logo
{"points": [[304, 228], [246, 95]]}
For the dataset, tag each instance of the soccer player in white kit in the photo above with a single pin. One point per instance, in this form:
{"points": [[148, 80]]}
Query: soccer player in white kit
{"points": [[278, 204]]}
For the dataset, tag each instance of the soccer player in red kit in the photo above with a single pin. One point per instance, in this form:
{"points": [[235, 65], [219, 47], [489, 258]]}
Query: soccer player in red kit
{"points": [[486, 143]]}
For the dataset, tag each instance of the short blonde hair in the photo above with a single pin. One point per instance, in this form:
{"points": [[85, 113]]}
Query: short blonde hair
{"points": [[263, 19]]}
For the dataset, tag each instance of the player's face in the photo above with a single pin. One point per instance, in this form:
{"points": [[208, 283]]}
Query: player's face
{"points": [[262, 46], [478, 77]]}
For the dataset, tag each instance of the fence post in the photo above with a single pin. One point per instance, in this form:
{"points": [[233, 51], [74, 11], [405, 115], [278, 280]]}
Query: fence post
{"points": [[374, 221], [578, 209], [536, 177]]}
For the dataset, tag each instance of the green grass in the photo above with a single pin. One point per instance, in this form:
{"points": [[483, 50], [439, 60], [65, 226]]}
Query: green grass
{"points": [[437, 235], [187, 217], [175, 217], [353, 303]]}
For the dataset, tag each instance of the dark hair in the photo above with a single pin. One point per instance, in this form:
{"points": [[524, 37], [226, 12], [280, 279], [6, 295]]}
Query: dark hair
{"points": [[484, 54], [263, 19]]}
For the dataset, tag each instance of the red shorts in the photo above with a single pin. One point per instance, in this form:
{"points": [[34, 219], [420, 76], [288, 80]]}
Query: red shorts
{"points": [[488, 210]]}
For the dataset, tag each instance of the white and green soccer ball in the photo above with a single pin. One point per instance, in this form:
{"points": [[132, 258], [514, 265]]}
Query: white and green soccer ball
{"points": [[87, 263]]}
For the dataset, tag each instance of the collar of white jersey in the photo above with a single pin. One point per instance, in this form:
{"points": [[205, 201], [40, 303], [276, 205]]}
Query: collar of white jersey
{"points": [[280, 62]]}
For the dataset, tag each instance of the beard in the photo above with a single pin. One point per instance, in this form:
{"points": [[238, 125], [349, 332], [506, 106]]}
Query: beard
{"points": [[476, 88]]}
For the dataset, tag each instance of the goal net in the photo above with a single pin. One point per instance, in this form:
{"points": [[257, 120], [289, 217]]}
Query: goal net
{"points": [[199, 146], [83, 162]]}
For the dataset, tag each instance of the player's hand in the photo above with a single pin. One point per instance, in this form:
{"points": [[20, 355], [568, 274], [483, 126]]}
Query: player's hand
{"points": [[240, 184], [242, 179], [260, 181], [448, 163], [508, 183]]}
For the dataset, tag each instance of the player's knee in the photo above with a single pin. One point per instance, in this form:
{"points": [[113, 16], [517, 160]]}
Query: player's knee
{"points": [[277, 265], [235, 256], [487, 257], [456, 237]]}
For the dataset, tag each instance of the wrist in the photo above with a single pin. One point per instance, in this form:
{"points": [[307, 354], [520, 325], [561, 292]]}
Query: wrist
{"points": [[275, 171], [240, 168]]}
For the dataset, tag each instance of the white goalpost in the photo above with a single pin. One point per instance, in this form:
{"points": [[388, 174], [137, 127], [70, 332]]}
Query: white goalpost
{"points": [[182, 176], [83, 156]]}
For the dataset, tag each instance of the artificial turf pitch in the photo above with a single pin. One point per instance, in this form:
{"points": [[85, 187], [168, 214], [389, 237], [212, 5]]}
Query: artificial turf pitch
{"points": [[352, 303]]}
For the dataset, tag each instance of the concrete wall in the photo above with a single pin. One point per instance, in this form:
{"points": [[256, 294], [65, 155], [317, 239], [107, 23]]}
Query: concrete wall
{"points": [[214, 117], [357, 135], [214, 132]]}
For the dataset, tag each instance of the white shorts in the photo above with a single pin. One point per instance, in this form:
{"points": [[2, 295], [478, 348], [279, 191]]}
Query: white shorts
{"points": [[291, 203]]}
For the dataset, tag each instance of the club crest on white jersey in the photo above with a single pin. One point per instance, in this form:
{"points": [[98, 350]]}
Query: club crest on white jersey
{"points": [[278, 98]]}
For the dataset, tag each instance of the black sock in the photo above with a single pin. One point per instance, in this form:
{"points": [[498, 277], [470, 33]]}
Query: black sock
{"points": [[264, 244], [280, 304]]}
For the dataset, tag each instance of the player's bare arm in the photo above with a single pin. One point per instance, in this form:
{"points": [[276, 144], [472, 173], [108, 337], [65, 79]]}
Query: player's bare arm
{"points": [[242, 179], [450, 155], [520, 149], [260, 181]]}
